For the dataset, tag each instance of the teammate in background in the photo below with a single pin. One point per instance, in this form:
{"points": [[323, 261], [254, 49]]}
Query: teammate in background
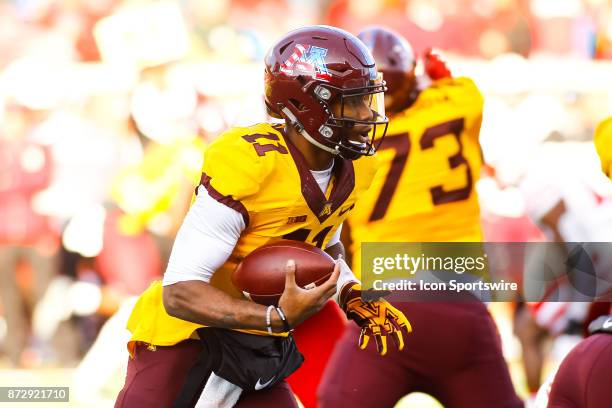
{"points": [[424, 192], [583, 378], [261, 184]]}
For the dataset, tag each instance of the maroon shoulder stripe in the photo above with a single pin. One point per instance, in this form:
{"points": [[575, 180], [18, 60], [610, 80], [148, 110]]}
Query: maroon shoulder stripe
{"points": [[225, 200]]}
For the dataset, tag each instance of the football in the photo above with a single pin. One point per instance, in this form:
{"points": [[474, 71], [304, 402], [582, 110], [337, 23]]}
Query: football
{"points": [[261, 275]]}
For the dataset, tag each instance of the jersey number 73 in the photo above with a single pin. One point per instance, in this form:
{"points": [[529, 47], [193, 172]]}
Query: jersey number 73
{"points": [[402, 146]]}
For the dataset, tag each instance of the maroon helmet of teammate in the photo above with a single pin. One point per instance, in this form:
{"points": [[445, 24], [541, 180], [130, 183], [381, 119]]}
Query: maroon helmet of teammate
{"points": [[312, 76], [396, 60]]}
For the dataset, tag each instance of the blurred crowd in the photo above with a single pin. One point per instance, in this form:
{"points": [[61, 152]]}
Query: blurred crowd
{"points": [[107, 105]]}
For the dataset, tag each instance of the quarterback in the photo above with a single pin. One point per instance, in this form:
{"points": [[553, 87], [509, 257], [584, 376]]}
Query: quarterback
{"points": [[196, 341], [423, 192]]}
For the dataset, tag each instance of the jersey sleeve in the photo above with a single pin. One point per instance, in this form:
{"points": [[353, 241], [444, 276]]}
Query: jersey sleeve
{"points": [[210, 225], [233, 172]]}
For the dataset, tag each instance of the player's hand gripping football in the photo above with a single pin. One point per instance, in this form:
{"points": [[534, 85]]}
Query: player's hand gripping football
{"points": [[377, 318], [299, 304], [435, 65]]}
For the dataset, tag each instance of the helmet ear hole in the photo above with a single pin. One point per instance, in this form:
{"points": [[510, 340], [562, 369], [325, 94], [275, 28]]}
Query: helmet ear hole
{"points": [[297, 105]]}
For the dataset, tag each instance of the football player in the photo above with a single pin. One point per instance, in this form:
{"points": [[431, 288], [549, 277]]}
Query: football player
{"points": [[583, 378], [195, 338], [424, 192], [570, 204]]}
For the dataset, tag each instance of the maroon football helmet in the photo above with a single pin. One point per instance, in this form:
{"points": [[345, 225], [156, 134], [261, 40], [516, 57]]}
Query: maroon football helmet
{"points": [[312, 70], [396, 60]]}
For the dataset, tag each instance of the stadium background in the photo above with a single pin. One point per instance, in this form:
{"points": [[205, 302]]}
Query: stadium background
{"points": [[106, 106]]}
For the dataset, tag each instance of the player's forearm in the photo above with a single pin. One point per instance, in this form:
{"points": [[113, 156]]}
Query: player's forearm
{"points": [[201, 303]]}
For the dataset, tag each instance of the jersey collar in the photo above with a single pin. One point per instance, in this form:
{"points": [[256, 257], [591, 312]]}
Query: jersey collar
{"points": [[343, 173]]}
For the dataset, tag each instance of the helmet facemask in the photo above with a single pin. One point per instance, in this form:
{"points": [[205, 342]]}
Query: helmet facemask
{"points": [[339, 133], [349, 143]]}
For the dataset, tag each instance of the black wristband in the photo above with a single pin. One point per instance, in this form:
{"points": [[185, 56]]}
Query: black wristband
{"points": [[281, 314]]}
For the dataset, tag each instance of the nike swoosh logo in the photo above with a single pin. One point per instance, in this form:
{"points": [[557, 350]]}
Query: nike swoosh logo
{"points": [[259, 385], [608, 323], [346, 209]]}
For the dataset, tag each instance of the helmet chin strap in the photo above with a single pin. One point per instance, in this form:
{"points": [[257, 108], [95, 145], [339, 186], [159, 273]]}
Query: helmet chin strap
{"points": [[303, 132]]}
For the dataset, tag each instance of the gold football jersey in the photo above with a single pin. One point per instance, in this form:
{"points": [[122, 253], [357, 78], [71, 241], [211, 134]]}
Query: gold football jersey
{"points": [[259, 173], [603, 144], [429, 163]]}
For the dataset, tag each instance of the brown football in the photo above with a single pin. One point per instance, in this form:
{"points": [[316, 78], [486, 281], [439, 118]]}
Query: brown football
{"points": [[261, 275]]}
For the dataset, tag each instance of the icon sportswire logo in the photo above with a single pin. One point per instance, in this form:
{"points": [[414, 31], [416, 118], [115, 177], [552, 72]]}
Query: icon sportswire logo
{"points": [[260, 386]]}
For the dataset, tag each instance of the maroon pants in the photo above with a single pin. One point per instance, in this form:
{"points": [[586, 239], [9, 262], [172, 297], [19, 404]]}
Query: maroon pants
{"points": [[453, 354], [154, 379], [584, 378]]}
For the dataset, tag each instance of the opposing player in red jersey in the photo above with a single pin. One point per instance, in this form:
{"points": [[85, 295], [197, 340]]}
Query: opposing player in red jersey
{"points": [[584, 377], [570, 204], [424, 192]]}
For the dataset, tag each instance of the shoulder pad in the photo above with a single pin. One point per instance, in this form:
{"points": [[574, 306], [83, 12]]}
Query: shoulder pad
{"points": [[456, 90], [236, 163]]}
